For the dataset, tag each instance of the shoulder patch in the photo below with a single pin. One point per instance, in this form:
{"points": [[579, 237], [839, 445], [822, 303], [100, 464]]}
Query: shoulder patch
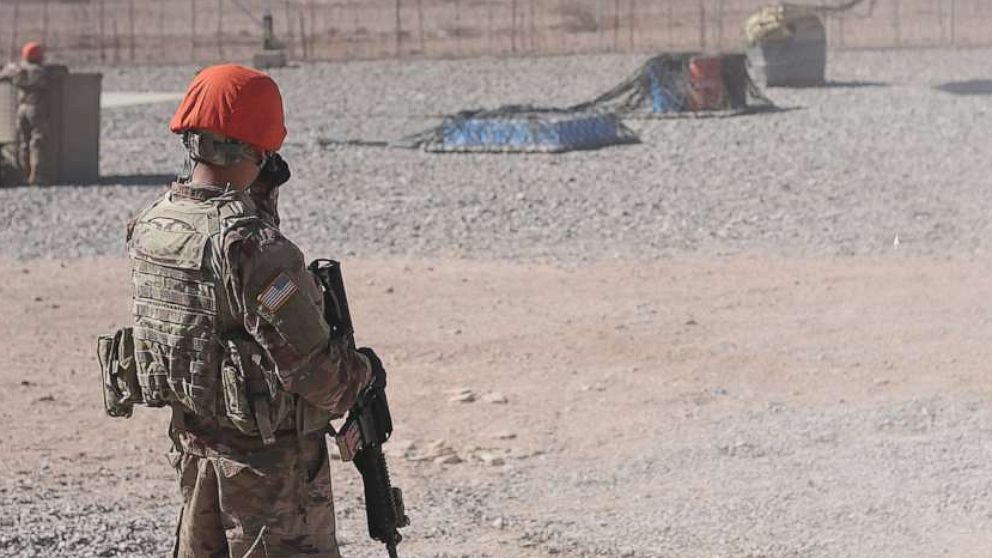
{"points": [[281, 289]]}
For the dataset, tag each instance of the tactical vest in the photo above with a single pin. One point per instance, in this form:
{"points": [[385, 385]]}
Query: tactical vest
{"points": [[189, 348]]}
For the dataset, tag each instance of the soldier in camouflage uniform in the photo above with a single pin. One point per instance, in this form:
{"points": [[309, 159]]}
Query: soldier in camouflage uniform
{"points": [[229, 333], [30, 78]]}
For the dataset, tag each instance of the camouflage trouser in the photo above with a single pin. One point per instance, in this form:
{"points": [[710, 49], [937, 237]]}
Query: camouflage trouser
{"points": [[275, 502], [31, 128]]}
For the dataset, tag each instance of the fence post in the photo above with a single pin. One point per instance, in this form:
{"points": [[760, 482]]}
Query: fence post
{"points": [[303, 34], [631, 9], [940, 21], [513, 26], [117, 41], [719, 24], [954, 23], [130, 30], [702, 24], [616, 25], [192, 27], [311, 36], [489, 28], [398, 28], [896, 24], [103, 53], [44, 22], [420, 26], [458, 27], [671, 23], [13, 31], [533, 27], [289, 27], [220, 28]]}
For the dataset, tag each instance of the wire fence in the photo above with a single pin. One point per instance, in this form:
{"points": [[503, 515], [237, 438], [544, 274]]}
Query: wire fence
{"points": [[201, 31]]}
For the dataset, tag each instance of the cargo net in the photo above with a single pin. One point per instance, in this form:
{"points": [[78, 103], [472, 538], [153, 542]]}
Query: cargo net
{"points": [[778, 22], [520, 128], [672, 85]]}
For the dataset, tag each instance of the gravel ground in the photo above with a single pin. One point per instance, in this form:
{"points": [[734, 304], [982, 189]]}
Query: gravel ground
{"points": [[877, 155], [906, 479]]}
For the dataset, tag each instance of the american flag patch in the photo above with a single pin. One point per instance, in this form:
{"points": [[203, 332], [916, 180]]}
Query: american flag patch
{"points": [[277, 293]]}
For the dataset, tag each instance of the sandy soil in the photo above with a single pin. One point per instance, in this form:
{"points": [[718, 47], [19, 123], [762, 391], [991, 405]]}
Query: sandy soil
{"points": [[739, 406]]}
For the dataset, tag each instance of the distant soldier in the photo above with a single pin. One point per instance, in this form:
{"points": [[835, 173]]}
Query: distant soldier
{"points": [[30, 78]]}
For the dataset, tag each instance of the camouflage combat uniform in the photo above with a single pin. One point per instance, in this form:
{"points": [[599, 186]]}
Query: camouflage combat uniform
{"points": [[229, 332], [31, 81]]}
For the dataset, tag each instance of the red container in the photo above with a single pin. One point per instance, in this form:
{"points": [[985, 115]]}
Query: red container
{"points": [[706, 78]]}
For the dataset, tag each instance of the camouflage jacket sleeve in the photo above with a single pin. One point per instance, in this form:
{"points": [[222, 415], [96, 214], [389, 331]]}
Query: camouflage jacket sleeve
{"points": [[8, 71], [281, 307]]}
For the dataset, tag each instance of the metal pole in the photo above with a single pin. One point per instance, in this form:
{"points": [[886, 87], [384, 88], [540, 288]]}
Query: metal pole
{"points": [[420, 26], [398, 28], [103, 54], [192, 27], [289, 27], [458, 27], [841, 38], [161, 29], [16, 25], [719, 24], [896, 24], [954, 23], [117, 41], [671, 23], [130, 29], [533, 28], [601, 22], [303, 34], [220, 28], [616, 25], [631, 9], [489, 30], [702, 25], [311, 37], [44, 22], [513, 25], [940, 21]]}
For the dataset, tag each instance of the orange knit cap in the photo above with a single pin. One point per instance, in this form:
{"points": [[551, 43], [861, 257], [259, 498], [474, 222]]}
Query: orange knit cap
{"points": [[235, 102], [32, 52]]}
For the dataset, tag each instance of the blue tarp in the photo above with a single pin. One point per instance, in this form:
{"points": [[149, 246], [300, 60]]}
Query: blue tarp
{"points": [[524, 129], [530, 130]]}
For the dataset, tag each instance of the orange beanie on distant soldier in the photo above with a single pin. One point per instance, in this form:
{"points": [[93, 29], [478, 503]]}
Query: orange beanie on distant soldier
{"points": [[33, 52], [235, 102]]}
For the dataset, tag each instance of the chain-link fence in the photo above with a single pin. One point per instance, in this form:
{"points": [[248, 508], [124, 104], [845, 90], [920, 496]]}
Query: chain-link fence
{"points": [[176, 31]]}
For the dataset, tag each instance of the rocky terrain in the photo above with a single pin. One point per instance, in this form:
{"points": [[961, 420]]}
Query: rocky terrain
{"points": [[751, 337], [846, 169]]}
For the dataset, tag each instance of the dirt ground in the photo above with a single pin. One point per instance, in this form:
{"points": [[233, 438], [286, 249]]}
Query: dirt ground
{"points": [[737, 406]]}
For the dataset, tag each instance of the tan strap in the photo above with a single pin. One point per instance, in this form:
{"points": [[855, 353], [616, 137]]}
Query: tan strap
{"points": [[260, 405], [199, 192]]}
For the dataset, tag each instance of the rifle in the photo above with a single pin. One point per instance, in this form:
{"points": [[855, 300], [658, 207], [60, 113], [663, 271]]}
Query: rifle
{"points": [[368, 424]]}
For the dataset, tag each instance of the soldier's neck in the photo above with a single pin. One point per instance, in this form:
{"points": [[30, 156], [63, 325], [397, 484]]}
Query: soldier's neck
{"points": [[235, 178]]}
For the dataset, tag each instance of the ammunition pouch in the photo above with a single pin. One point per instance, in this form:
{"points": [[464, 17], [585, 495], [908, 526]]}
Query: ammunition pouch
{"points": [[254, 403], [119, 374]]}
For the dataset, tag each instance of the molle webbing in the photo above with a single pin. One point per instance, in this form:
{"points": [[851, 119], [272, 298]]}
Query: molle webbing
{"points": [[197, 192], [175, 304]]}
